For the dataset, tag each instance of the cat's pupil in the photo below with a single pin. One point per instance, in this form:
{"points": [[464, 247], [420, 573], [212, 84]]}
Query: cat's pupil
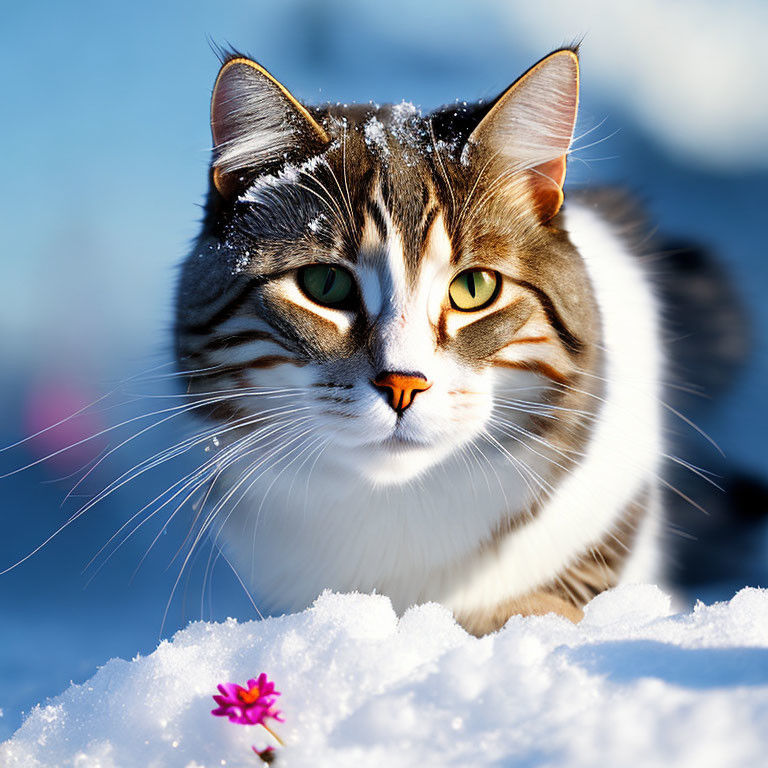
{"points": [[326, 284], [471, 277], [329, 281]]}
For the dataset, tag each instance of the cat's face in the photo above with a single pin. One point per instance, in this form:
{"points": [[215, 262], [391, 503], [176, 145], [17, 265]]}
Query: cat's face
{"points": [[401, 273]]}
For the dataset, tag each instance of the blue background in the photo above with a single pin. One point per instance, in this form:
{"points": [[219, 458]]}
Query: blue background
{"points": [[105, 150]]}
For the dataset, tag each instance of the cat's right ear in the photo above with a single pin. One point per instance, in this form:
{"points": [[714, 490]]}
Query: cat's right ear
{"points": [[256, 123]]}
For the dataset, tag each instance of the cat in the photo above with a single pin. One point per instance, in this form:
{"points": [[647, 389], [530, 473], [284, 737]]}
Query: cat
{"points": [[428, 375]]}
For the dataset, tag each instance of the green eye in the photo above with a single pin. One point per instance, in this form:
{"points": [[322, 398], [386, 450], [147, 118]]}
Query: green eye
{"points": [[474, 289], [327, 285]]}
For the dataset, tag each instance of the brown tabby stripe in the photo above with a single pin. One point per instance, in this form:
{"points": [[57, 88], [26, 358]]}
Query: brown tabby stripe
{"points": [[527, 340], [594, 571], [571, 342], [536, 367], [226, 411], [600, 567], [429, 220]]}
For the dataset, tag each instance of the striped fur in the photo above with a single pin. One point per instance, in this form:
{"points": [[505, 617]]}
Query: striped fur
{"points": [[538, 437]]}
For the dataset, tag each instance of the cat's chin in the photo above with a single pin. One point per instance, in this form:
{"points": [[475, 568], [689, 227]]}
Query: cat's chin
{"points": [[393, 462]]}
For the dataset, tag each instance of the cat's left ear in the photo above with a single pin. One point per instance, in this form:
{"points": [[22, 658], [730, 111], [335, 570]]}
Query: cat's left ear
{"points": [[530, 128], [256, 124]]}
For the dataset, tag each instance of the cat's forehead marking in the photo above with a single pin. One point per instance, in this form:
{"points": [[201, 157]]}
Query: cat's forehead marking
{"points": [[384, 267], [373, 262], [391, 251], [396, 139]]}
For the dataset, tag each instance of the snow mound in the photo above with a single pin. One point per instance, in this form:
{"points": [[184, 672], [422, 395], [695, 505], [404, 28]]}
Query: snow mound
{"points": [[632, 685]]}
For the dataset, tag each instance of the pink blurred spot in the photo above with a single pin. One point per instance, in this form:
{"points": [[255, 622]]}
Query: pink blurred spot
{"points": [[55, 400]]}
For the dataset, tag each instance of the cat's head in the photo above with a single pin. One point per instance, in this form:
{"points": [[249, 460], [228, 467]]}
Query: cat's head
{"points": [[395, 273]]}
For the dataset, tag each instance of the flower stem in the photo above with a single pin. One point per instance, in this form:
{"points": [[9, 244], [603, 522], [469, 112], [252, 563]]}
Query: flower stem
{"points": [[279, 740]]}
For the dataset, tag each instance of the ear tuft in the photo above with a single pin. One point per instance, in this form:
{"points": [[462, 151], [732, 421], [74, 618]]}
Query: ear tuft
{"points": [[256, 123], [530, 127]]}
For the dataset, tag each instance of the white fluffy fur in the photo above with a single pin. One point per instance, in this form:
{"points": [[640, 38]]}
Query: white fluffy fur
{"points": [[336, 518]]}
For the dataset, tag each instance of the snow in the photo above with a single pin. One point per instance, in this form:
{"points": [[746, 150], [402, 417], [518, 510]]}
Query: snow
{"points": [[289, 174], [375, 136], [316, 224], [632, 685]]}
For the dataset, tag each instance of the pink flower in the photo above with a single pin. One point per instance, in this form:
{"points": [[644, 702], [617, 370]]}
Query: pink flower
{"points": [[252, 705]]}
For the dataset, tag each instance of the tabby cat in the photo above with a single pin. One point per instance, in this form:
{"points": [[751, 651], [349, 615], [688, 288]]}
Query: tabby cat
{"points": [[426, 376]]}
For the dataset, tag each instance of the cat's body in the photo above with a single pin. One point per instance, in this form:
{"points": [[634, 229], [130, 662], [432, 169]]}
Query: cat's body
{"points": [[447, 388]]}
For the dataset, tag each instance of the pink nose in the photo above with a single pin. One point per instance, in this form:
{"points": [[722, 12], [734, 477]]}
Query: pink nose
{"points": [[401, 387]]}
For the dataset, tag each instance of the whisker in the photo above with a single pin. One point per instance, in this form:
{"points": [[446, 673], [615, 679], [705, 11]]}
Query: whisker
{"points": [[185, 445], [174, 411], [218, 463], [309, 475], [206, 524], [82, 410], [242, 583], [531, 436], [517, 463], [292, 428], [237, 391], [661, 402], [698, 471], [594, 143], [303, 448]]}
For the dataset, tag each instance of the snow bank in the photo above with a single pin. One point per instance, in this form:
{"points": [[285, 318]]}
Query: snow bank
{"points": [[632, 685]]}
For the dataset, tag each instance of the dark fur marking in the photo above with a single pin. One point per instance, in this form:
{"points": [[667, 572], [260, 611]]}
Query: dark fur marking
{"points": [[569, 340], [536, 367], [377, 218], [336, 399], [272, 361], [225, 313], [429, 220], [330, 384], [242, 337], [341, 414]]}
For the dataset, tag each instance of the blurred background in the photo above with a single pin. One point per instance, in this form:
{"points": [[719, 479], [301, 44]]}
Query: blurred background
{"points": [[106, 142]]}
